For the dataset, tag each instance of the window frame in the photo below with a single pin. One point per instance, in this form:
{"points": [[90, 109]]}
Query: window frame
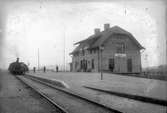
{"points": [[120, 47]]}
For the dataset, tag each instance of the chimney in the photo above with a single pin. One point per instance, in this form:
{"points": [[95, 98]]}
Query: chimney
{"points": [[17, 60], [106, 26], [97, 31]]}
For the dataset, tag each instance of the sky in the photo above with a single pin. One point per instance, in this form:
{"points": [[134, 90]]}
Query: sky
{"points": [[52, 27]]}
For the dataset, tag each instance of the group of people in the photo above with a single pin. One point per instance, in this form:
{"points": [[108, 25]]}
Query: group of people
{"points": [[44, 69]]}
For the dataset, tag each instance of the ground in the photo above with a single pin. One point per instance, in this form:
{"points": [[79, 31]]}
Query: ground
{"points": [[16, 97]]}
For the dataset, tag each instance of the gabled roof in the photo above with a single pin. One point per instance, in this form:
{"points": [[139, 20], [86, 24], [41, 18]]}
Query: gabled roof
{"points": [[97, 40], [85, 44]]}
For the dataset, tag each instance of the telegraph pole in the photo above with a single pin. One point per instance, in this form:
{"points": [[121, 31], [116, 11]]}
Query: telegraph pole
{"points": [[101, 61], [64, 49], [38, 58], [101, 65]]}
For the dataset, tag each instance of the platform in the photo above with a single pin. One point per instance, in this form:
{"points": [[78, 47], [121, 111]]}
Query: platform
{"points": [[132, 85]]}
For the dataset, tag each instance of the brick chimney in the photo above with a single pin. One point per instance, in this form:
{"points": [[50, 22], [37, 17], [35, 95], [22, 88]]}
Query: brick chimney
{"points": [[106, 27], [17, 60], [97, 31]]}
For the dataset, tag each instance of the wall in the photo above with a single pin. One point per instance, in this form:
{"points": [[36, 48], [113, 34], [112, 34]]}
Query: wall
{"points": [[131, 51], [87, 57]]}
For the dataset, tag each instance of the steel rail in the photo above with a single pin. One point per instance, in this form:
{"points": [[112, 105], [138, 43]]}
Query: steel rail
{"points": [[44, 96], [73, 94]]}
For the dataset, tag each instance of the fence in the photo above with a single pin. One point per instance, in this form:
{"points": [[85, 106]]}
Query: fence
{"points": [[160, 75]]}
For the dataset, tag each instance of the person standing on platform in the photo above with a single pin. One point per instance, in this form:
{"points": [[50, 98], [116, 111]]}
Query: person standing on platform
{"points": [[44, 69], [57, 68], [34, 69]]}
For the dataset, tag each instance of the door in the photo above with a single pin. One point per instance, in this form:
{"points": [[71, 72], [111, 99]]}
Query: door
{"points": [[84, 65], [81, 64], [111, 64], [120, 64], [129, 65]]}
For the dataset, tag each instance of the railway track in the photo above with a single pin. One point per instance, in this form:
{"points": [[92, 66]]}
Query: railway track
{"points": [[67, 101], [62, 110]]}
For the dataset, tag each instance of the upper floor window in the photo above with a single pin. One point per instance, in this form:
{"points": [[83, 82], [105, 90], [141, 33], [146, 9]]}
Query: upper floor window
{"points": [[120, 47], [76, 54], [83, 52], [91, 51]]}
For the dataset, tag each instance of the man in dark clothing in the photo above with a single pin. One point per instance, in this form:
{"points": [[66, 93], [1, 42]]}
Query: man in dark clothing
{"points": [[57, 68], [44, 69], [34, 69]]}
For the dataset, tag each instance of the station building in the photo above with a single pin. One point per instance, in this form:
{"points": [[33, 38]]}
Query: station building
{"points": [[113, 50]]}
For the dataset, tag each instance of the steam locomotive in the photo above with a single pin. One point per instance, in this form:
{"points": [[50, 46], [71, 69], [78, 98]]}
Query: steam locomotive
{"points": [[18, 68]]}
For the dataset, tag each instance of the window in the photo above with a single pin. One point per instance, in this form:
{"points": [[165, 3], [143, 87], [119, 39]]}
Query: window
{"points": [[76, 64], [93, 64], [120, 47], [93, 51], [83, 52], [90, 51], [76, 54], [81, 64]]}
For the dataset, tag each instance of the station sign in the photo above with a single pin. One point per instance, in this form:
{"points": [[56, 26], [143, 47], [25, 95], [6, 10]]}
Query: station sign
{"points": [[120, 55]]}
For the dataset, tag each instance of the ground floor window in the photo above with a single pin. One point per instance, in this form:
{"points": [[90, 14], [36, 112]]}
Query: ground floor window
{"points": [[93, 64], [81, 64], [76, 63]]}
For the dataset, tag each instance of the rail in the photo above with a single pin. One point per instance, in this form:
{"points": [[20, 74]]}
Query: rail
{"points": [[44, 96]]}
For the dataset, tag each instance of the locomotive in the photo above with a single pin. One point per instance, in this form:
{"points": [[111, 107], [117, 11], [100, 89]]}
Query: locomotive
{"points": [[18, 68]]}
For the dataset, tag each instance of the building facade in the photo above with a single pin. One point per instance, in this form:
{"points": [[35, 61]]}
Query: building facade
{"points": [[113, 50]]}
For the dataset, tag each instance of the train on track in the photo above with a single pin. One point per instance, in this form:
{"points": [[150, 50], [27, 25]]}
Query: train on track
{"points": [[18, 68]]}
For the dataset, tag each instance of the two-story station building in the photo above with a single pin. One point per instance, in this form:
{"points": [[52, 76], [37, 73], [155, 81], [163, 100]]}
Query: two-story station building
{"points": [[115, 48]]}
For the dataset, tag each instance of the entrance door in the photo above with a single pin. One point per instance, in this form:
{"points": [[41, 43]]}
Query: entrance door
{"points": [[120, 65], [84, 65], [81, 64], [129, 65], [111, 64]]}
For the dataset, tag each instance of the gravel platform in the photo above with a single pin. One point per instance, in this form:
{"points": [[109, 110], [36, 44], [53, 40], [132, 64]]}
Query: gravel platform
{"points": [[141, 86]]}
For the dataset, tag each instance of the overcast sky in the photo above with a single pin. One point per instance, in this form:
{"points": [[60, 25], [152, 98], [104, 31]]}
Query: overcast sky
{"points": [[52, 26]]}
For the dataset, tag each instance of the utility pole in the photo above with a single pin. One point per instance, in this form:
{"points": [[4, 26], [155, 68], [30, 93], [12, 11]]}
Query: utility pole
{"points": [[101, 65], [38, 60], [101, 61], [64, 48]]}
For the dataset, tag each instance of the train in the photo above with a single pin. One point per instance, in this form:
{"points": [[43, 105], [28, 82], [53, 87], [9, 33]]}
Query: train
{"points": [[18, 68]]}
